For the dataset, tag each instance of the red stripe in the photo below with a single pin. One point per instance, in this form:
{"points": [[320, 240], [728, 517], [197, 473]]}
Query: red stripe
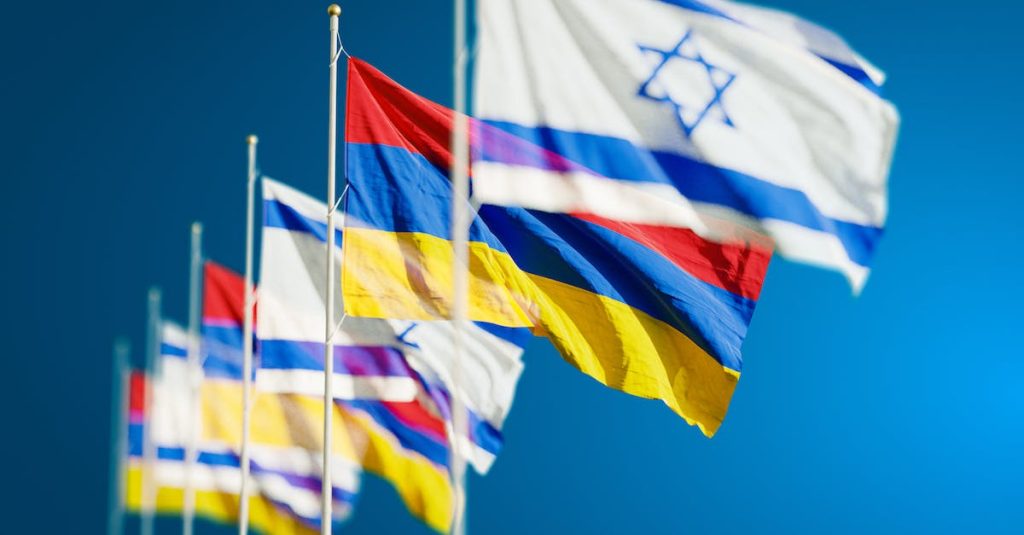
{"points": [[137, 391], [380, 111], [414, 415], [223, 294], [737, 267]]}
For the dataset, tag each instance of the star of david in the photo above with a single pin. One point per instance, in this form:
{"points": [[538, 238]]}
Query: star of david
{"points": [[401, 336], [691, 109]]}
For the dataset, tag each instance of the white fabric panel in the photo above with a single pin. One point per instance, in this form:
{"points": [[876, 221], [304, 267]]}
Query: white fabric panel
{"points": [[490, 366], [576, 65], [174, 335], [311, 383], [773, 109]]}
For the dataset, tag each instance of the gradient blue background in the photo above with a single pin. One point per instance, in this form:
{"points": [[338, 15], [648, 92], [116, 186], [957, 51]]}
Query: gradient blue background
{"points": [[900, 411]]}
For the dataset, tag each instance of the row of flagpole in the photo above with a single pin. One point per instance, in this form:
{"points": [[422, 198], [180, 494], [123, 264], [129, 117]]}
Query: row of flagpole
{"points": [[119, 423], [460, 234], [148, 498], [327, 514], [460, 223], [195, 371], [247, 349]]}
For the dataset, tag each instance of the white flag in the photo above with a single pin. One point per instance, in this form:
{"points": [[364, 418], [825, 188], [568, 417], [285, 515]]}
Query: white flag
{"points": [[374, 358], [735, 121]]}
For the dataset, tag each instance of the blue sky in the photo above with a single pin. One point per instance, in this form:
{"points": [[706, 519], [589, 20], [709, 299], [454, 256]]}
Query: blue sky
{"points": [[898, 411]]}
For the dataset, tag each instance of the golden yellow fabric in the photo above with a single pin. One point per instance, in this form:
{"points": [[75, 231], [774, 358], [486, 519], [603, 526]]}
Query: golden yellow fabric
{"points": [[220, 507], [392, 275], [279, 420], [424, 487], [410, 277]]}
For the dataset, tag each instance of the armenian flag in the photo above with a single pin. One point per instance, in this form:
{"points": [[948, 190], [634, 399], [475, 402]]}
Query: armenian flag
{"points": [[655, 311]]}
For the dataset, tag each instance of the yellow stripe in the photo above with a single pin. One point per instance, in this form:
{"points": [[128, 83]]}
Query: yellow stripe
{"points": [[423, 486], [612, 342], [630, 351], [279, 420], [297, 421], [409, 276], [218, 507]]}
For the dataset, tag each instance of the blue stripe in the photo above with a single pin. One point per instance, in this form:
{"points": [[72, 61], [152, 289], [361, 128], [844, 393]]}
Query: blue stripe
{"points": [[485, 435], [601, 261], [277, 214], [700, 7], [565, 249], [135, 431], [167, 350], [393, 189], [409, 438], [697, 181], [222, 352], [517, 336], [231, 460], [482, 433], [853, 71], [856, 73], [348, 360]]}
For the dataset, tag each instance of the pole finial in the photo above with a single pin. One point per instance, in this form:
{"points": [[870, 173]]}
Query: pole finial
{"points": [[251, 139], [334, 10]]}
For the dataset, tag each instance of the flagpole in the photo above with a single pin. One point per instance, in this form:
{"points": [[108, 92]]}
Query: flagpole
{"points": [[148, 498], [118, 436], [327, 502], [194, 374], [243, 494], [460, 243]]}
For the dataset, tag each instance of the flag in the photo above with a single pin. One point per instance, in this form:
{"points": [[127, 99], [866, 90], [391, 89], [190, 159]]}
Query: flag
{"points": [[409, 358], [222, 322], [282, 440], [731, 120], [654, 311], [290, 324], [285, 472], [406, 445]]}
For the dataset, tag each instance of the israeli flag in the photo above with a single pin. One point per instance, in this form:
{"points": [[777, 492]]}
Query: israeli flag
{"points": [[374, 358], [738, 122]]}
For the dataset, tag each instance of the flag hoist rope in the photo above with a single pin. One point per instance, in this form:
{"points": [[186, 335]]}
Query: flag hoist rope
{"points": [[247, 325], [461, 219], [153, 334], [119, 395], [195, 371], [327, 516]]}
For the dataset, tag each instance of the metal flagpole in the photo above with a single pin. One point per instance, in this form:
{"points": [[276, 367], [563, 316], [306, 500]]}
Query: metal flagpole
{"points": [[327, 515], [148, 498], [460, 277], [118, 436], [194, 374], [243, 494]]}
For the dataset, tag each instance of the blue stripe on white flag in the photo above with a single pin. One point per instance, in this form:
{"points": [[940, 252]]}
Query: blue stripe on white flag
{"points": [[697, 181], [855, 72]]}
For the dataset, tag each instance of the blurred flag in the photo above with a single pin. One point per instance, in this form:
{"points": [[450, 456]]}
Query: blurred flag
{"points": [[285, 472], [405, 445], [290, 323], [222, 321], [283, 441], [731, 120], [654, 311], [398, 358]]}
